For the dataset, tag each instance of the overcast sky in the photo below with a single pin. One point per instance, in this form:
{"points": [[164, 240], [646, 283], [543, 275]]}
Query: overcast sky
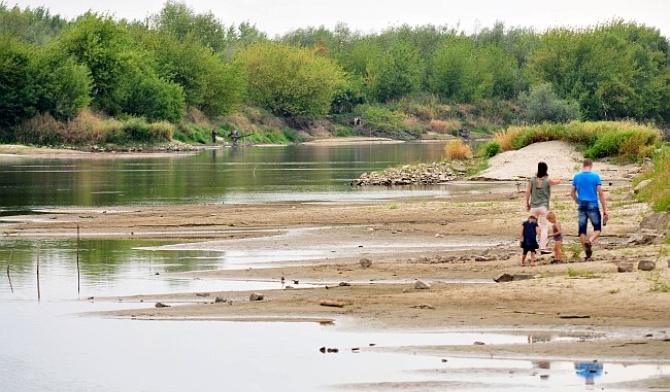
{"points": [[277, 17]]}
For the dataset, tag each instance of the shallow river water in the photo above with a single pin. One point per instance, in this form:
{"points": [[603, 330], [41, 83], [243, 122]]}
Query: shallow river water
{"points": [[47, 346]]}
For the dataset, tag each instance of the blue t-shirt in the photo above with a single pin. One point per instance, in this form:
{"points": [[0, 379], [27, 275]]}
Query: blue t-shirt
{"points": [[530, 233], [586, 184]]}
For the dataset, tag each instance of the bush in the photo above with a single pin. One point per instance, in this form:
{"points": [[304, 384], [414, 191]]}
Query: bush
{"points": [[458, 150], [491, 149], [444, 127], [541, 104]]}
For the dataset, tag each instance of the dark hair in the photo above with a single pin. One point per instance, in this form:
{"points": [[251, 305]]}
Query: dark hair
{"points": [[588, 162], [542, 169]]}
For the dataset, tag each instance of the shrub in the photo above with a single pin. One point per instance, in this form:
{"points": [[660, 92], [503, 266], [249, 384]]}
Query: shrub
{"points": [[444, 127], [458, 150], [541, 104], [491, 149]]}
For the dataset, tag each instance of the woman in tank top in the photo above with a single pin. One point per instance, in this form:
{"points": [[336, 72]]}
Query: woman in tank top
{"points": [[538, 195]]}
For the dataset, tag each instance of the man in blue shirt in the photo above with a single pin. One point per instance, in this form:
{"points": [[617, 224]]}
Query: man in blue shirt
{"points": [[587, 190]]}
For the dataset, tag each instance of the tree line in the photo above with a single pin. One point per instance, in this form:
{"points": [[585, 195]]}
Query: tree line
{"points": [[177, 60]]}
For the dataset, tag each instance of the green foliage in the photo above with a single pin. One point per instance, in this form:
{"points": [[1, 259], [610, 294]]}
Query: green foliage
{"points": [[381, 118], [180, 21], [658, 191], [615, 71], [541, 104], [33, 25], [17, 82], [290, 82], [399, 73], [491, 149]]}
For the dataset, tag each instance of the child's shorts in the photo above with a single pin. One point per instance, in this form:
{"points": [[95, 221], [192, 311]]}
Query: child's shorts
{"points": [[527, 249]]}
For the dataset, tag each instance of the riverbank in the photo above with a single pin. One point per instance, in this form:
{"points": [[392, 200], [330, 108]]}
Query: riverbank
{"points": [[438, 241]]}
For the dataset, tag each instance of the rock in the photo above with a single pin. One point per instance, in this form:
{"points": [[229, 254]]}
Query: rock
{"points": [[322, 350], [653, 229], [504, 278], [423, 306], [480, 344], [344, 284], [641, 186], [333, 350], [331, 303], [202, 294], [646, 265], [485, 258], [459, 167], [366, 263], [512, 278], [256, 297], [624, 267], [161, 305], [421, 285]]}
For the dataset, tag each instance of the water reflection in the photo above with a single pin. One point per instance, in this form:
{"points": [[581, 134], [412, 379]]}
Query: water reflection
{"points": [[209, 176]]}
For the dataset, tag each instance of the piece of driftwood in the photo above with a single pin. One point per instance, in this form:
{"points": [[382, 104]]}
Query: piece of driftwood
{"points": [[331, 303]]}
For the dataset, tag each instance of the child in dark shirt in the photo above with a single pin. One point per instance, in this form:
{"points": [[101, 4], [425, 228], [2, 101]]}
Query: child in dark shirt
{"points": [[528, 239]]}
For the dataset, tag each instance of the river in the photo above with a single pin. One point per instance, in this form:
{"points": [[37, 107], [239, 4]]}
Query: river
{"points": [[47, 346]]}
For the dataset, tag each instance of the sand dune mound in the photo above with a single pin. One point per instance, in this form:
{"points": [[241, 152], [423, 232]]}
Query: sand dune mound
{"points": [[563, 160]]}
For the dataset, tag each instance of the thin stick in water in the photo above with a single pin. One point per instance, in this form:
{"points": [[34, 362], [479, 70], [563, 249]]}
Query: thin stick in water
{"points": [[9, 262], [39, 295], [78, 271]]}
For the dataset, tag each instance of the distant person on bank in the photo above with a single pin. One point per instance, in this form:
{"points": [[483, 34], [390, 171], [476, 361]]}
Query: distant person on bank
{"points": [[538, 194], [587, 190]]}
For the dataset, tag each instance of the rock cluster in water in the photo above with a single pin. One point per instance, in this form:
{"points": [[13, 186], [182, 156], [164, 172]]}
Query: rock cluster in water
{"points": [[433, 173]]}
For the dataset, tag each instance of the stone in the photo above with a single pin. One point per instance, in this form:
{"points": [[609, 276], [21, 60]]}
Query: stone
{"points": [[459, 167], [202, 294], [646, 265], [512, 278], [624, 267], [421, 285], [161, 305], [332, 304], [366, 263], [256, 297], [219, 300], [480, 344], [653, 229], [504, 278], [485, 258], [344, 284], [641, 186]]}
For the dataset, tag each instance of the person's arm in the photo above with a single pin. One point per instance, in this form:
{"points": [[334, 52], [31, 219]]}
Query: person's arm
{"points": [[521, 235], [554, 181], [573, 193], [528, 190], [601, 196]]}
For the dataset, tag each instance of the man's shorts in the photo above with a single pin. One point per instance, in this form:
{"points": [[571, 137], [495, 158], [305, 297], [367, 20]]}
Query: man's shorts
{"points": [[589, 211]]}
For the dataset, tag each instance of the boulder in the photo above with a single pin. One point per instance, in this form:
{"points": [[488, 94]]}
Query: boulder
{"points": [[653, 229], [646, 265], [161, 305], [641, 186], [485, 258], [256, 297], [421, 285], [512, 278], [366, 263], [624, 267]]}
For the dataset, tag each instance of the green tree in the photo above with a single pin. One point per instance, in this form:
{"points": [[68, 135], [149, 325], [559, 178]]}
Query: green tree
{"points": [[541, 104], [18, 87], [399, 74], [178, 19], [290, 82]]}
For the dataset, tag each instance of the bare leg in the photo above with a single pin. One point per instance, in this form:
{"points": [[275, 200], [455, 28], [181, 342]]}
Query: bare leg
{"points": [[594, 236], [523, 260], [532, 259], [557, 250]]}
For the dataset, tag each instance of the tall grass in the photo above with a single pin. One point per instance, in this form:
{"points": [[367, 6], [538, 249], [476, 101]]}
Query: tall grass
{"points": [[658, 191], [624, 139], [458, 150], [88, 129]]}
